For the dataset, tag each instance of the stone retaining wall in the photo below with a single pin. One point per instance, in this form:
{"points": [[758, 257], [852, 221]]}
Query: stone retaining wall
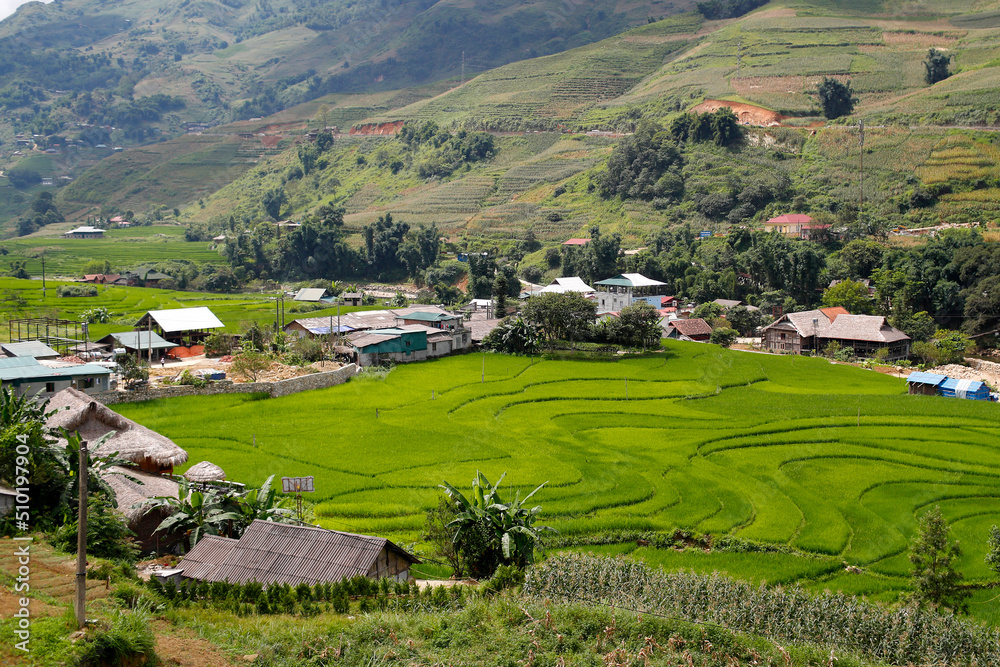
{"points": [[274, 389]]}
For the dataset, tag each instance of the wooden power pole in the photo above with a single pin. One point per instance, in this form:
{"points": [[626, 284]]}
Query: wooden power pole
{"points": [[81, 541]]}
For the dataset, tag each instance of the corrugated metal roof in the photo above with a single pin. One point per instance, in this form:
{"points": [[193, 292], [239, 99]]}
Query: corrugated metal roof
{"points": [[310, 294], [183, 319], [920, 377], [630, 280], [428, 317], [281, 553], [28, 368], [30, 348], [568, 284], [138, 340]]}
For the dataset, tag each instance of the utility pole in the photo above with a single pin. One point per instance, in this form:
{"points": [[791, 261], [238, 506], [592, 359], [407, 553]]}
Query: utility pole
{"points": [[81, 542], [43, 274], [861, 194]]}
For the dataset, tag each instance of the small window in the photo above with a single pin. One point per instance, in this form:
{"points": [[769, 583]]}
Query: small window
{"points": [[434, 347], [50, 387], [407, 343]]}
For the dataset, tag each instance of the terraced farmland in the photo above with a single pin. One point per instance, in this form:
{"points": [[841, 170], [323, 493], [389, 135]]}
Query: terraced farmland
{"points": [[833, 461]]}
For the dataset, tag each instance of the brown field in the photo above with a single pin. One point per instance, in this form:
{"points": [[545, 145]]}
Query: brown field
{"points": [[747, 113]]}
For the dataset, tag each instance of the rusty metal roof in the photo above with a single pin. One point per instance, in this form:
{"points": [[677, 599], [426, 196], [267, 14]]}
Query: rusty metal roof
{"points": [[282, 553]]}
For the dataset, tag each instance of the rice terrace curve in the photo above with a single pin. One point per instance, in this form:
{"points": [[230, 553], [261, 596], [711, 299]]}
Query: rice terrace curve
{"points": [[828, 464]]}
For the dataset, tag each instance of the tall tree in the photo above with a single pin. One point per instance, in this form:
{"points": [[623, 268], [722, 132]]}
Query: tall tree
{"points": [[836, 98], [935, 580], [936, 66], [272, 201], [561, 316]]}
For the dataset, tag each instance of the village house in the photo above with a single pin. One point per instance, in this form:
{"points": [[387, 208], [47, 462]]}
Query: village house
{"points": [[795, 225], [26, 376], [279, 553], [442, 332], [85, 232], [621, 291], [101, 278], [566, 285], [151, 457], [145, 344], [814, 330], [695, 329]]}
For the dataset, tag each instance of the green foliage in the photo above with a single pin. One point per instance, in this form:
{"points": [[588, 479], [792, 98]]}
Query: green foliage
{"points": [[643, 166], [108, 534], [935, 580], [637, 325], [196, 511], [902, 635], [836, 98], [99, 315], [513, 335], [127, 639], [561, 316], [714, 10], [723, 336], [946, 347], [250, 364], [993, 549], [936, 66], [440, 537], [851, 295], [134, 371], [490, 532], [78, 290]]}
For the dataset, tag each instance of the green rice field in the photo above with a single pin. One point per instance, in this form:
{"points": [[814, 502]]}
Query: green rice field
{"points": [[24, 298], [831, 461]]}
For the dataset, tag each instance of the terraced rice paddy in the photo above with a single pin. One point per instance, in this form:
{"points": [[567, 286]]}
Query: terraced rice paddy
{"points": [[832, 461]]}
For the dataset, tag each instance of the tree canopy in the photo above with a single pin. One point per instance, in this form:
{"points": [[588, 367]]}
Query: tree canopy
{"points": [[836, 98]]}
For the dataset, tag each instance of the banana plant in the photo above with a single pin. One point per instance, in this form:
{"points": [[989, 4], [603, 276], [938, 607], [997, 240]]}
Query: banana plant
{"points": [[193, 514], [509, 527]]}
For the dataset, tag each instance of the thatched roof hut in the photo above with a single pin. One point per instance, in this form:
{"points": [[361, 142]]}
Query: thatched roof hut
{"points": [[205, 472], [150, 451]]}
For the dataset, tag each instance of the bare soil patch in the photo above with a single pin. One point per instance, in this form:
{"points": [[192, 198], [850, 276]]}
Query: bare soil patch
{"points": [[747, 113]]}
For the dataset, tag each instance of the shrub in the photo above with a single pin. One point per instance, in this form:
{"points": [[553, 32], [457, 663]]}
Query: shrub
{"points": [[78, 290], [309, 349], [108, 536], [506, 576], [127, 640], [99, 315], [218, 344]]}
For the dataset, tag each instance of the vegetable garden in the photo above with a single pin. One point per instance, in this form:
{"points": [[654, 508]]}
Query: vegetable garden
{"points": [[815, 463]]}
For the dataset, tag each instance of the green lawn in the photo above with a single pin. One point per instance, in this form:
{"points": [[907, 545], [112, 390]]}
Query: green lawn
{"points": [[830, 460]]}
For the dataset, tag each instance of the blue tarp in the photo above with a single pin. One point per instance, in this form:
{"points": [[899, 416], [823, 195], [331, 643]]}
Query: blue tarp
{"points": [[970, 389]]}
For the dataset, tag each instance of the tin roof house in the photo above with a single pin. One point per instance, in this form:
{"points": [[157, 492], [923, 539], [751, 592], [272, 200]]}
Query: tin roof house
{"points": [[279, 553], [180, 325], [621, 291]]}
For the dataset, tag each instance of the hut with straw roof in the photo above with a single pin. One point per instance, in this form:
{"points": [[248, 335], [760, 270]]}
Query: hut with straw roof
{"points": [[152, 455], [205, 471], [147, 449]]}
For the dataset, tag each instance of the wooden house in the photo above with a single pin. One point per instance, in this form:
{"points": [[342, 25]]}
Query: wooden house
{"points": [[279, 553], [814, 330], [696, 329]]}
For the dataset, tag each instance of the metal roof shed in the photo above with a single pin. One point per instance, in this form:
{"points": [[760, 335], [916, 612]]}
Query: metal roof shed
{"points": [[182, 319], [310, 294], [30, 348], [135, 341], [270, 552]]}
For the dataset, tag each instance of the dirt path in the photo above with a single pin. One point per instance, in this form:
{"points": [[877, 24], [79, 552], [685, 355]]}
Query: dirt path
{"points": [[182, 647]]}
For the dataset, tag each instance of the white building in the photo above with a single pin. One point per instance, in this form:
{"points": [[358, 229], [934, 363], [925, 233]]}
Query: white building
{"points": [[623, 290]]}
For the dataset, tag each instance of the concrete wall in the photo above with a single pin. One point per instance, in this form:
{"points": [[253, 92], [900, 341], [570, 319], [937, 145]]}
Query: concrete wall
{"points": [[274, 389]]}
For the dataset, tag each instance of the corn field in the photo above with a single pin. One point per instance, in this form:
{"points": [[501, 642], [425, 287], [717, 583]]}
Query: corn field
{"points": [[904, 635]]}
